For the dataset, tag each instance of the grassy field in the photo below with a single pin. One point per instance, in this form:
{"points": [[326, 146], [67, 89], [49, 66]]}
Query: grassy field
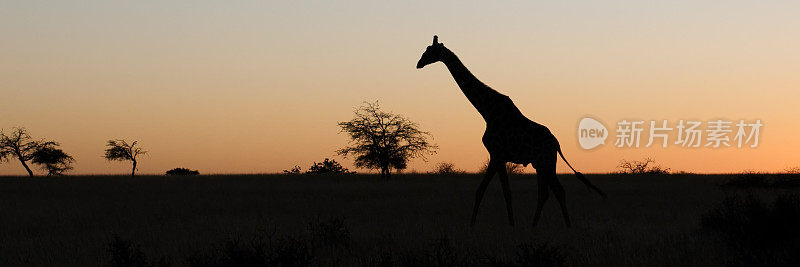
{"points": [[651, 220]]}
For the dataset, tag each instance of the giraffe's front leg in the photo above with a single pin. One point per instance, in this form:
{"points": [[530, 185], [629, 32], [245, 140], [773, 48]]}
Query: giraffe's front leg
{"points": [[506, 192]]}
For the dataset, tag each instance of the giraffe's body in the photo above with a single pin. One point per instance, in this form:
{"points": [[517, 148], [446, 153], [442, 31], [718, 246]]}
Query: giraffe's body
{"points": [[509, 135]]}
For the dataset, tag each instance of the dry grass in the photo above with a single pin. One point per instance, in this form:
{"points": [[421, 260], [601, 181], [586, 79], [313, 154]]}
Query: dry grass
{"points": [[651, 220]]}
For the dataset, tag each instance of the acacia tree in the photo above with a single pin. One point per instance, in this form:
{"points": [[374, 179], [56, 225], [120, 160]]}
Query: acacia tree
{"points": [[20, 145], [52, 159], [381, 140], [122, 151]]}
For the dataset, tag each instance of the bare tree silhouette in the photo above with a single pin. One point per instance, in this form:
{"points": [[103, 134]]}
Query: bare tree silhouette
{"points": [[381, 140], [20, 145], [122, 151]]}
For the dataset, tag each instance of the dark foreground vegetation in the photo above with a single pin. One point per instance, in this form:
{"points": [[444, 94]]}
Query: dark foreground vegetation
{"points": [[409, 220]]}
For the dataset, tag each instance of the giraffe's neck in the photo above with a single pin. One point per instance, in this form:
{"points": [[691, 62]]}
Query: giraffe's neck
{"points": [[476, 91]]}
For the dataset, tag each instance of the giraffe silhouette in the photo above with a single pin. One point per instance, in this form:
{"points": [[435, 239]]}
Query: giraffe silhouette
{"points": [[509, 137]]}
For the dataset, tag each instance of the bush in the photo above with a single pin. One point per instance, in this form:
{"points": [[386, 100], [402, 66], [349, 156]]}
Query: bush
{"points": [[645, 166], [327, 166], [511, 168], [446, 168], [182, 171], [759, 233], [295, 170]]}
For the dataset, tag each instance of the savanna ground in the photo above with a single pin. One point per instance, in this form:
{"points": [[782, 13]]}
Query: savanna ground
{"points": [[652, 220]]}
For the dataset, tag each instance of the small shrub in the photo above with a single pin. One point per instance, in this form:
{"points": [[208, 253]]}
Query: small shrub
{"points": [[327, 166], [793, 170], [446, 168], [646, 166], [182, 171], [295, 170]]}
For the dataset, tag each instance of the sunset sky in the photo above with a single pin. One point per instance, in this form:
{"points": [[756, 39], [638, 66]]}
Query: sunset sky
{"points": [[259, 86]]}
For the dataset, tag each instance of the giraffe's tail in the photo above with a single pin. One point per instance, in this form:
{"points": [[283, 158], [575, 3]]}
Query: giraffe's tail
{"points": [[580, 175]]}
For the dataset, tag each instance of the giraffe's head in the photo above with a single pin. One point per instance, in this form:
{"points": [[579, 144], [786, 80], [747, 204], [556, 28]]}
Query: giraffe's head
{"points": [[433, 53]]}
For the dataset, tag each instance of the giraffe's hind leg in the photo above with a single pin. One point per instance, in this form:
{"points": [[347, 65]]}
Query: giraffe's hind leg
{"points": [[558, 191], [491, 169], [543, 180]]}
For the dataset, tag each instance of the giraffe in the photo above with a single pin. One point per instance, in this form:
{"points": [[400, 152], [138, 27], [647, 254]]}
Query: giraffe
{"points": [[509, 137]]}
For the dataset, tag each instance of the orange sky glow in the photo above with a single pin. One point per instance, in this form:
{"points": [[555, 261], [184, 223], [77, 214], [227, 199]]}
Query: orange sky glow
{"points": [[258, 87]]}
